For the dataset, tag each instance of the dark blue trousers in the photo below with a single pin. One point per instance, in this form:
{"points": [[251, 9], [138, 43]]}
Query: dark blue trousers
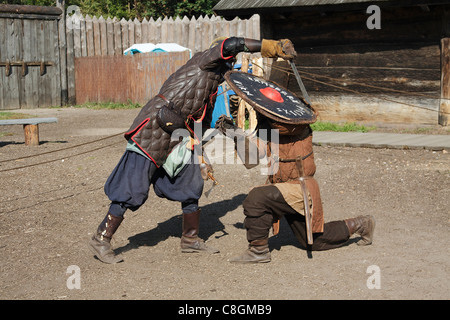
{"points": [[128, 185]]}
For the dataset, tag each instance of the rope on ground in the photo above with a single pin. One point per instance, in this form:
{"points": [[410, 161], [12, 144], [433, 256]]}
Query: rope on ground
{"points": [[62, 149], [59, 159]]}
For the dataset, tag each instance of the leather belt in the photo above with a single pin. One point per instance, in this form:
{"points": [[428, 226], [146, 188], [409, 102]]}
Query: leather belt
{"points": [[276, 158]]}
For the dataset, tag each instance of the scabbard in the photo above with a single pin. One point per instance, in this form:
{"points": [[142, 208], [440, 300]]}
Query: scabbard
{"points": [[308, 216]]}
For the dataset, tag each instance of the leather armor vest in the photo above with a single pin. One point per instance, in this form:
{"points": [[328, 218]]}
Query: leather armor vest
{"points": [[192, 89], [290, 147]]}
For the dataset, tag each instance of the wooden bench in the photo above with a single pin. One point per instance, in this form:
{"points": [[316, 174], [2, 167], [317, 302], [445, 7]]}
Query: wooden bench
{"points": [[30, 128]]}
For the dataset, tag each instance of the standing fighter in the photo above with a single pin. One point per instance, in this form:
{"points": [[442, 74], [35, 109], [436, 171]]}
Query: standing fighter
{"points": [[292, 191], [187, 97]]}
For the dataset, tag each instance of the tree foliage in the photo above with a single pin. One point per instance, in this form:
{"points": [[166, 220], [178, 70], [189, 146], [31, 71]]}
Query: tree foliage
{"points": [[130, 9]]}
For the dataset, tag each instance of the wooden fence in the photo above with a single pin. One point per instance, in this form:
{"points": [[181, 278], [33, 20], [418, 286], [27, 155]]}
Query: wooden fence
{"points": [[94, 36], [91, 36], [124, 78], [39, 47]]}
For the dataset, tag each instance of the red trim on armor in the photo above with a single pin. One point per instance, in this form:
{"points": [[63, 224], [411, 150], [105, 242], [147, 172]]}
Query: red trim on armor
{"points": [[134, 132], [221, 50]]}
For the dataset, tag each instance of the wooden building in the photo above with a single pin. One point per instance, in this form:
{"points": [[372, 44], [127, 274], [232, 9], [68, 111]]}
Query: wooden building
{"points": [[31, 61], [366, 61]]}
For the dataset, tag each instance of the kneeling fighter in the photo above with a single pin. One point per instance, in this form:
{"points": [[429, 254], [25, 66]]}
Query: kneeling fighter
{"points": [[291, 191]]}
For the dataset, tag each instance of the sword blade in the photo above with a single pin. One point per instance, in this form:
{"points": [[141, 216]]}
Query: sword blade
{"points": [[215, 183], [300, 82]]}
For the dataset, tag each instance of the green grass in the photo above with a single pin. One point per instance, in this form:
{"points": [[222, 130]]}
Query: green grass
{"points": [[340, 127], [4, 115], [108, 105], [335, 127]]}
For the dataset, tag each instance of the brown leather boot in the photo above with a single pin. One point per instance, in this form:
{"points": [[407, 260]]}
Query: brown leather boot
{"points": [[363, 226], [257, 252], [190, 242], [100, 243]]}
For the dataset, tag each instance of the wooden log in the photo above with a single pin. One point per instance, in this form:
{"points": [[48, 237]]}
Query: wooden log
{"points": [[137, 31], [192, 27], [185, 32], [62, 51], [158, 31], [56, 69], [70, 62], [198, 34], [31, 132], [76, 27], [89, 36], [164, 30], [131, 36], [170, 30], [444, 106], [118, 50], [103, 40], [177, 31], [96, 37], [110, 36], [206, 33], [125, 42], [83, 42], [29, 9], [152, 31], [145, 31]]}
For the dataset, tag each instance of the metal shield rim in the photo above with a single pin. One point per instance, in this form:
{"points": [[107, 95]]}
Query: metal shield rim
{"points": [[261, 110]]}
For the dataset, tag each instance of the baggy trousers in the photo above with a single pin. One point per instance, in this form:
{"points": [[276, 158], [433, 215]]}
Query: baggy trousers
{"points": [[128, 185], [264, 202]]}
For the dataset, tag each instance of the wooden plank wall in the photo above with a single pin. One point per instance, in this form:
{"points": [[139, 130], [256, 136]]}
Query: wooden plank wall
{"points": [[120, 78], [391, 75], [39, 37], [29, 40]]}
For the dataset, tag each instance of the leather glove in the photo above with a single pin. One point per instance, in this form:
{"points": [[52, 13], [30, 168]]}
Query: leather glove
{"points": [[278, 48], [227, 127], [225, 123]]}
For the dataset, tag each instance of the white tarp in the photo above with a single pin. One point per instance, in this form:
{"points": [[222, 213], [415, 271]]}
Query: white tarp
{"points": [[151, 47]]}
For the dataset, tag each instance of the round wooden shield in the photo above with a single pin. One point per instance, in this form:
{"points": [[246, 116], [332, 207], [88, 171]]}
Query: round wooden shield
{"points": [[270, 99]]}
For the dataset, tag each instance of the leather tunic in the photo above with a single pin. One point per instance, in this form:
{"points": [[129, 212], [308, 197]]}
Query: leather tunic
{"points": [[192, 89], [286, 175]]}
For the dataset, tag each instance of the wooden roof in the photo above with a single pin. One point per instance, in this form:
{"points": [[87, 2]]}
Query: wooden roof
{"points": [[240, 7]]}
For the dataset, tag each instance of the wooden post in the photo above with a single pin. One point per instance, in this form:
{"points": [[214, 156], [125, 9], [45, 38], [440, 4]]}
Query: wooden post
{"points": [[31, 132], [444, 107], [244, 105], [63, 51]]}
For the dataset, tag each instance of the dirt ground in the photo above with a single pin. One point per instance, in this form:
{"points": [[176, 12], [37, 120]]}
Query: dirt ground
{"points": [[49, 211]]}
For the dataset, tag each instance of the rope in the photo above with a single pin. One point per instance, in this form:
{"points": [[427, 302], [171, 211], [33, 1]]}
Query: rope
{"points": [[62, 149], [53, 160], [288, 71]]}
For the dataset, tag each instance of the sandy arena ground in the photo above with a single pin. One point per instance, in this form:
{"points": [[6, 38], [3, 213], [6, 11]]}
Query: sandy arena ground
{"points": [[49, 211]]}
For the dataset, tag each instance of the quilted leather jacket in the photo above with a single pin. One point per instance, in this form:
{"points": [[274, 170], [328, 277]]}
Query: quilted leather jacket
{"points": [[192, 89]]}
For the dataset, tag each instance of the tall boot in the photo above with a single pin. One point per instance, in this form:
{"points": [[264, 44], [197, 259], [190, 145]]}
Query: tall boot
{"points": [[190, 242], [257, 252], [100, 243], [363, 226]]}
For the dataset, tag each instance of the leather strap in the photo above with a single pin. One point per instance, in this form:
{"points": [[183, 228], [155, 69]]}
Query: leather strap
{"points": [[164, 98], [292, 159]]}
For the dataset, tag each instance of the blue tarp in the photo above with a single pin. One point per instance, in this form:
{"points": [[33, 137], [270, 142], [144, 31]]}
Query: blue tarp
{"points": [[220, 107]]}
